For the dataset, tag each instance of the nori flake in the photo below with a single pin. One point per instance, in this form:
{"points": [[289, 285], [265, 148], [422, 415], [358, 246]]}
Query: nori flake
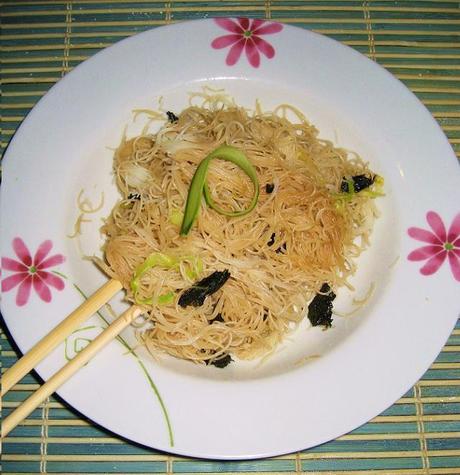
{"points": [[172, 117], [221, 362], [217, 318], [134, 196], [360, 182], [269, 187], [197, 294], [281, 249], [320, 308]]}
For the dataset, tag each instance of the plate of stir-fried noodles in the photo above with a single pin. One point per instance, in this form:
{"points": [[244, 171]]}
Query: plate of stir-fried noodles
{"points": [[285, 212]]}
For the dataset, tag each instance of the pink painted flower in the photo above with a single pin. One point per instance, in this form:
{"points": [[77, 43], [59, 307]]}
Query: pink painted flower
{"points": [[246, 35], [441, 244], [30, 272]]}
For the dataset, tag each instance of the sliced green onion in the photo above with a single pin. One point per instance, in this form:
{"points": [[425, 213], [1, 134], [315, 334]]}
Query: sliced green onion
{"points": [[155, 259], [374, 191], [198, 186], [239, 159], [377, 188], [371, 194], [351, 187], [176, 217], [343, 196], [165, 298], [194, 267]]}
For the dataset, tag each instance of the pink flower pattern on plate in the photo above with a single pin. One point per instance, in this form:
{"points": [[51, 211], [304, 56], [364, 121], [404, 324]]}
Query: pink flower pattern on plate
{"points": [[246, 35], [442, 244], [30, 272]]}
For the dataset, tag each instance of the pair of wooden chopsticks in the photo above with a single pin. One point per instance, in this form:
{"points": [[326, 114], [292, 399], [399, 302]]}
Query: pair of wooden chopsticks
{"points": [[52, 340]]}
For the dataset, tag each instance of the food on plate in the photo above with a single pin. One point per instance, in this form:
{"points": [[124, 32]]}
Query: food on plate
{"points": [[233, 226]]}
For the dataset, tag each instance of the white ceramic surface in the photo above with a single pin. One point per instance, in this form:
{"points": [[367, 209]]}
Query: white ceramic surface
{"points": [[247, 410]]}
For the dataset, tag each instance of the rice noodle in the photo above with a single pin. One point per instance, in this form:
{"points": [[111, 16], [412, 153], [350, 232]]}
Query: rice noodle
{"points": [[313, 241], [85, 207]]}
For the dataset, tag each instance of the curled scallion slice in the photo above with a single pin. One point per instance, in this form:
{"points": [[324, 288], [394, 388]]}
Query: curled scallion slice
{"points": [[155, 259], [193, 268], [198, 186]]}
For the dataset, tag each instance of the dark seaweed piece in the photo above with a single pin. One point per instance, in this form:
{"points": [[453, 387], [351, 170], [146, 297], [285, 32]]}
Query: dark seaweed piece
{"points": [[217, 318], [172, 117], [134, 196], [221, 362], [197, 294], [320, 308], [360, 182], [281, 249], [269, 187]]}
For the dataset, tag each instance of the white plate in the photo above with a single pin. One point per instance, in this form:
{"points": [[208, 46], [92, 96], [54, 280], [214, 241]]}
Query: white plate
{"points": [[291, 402]]}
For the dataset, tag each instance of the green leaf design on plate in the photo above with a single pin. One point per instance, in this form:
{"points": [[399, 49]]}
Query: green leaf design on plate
{"points": [[132, 352]]}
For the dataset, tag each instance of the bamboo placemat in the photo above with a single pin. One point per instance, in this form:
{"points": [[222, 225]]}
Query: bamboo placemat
{"points": [[419, 42]]}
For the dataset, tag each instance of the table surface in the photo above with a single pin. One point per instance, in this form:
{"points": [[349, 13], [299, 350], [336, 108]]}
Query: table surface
{"points": [[417, 41]]}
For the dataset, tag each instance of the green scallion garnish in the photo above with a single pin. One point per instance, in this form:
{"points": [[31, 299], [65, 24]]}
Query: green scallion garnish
{"points": [[193, 267], [199, 186]]}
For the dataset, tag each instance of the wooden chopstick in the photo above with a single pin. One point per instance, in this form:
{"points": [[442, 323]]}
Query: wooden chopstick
{"points": [[58, 334], [69, 369]]}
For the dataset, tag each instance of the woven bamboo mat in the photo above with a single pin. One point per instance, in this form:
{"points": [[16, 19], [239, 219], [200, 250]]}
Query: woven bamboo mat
{"points": [[419, 42]]}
